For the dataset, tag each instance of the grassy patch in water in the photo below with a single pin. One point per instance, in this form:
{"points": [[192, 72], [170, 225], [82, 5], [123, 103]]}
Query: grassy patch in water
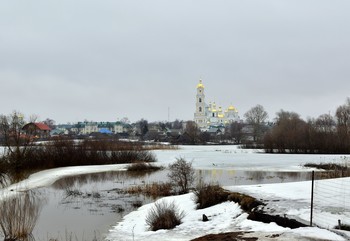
{"points": [[154, 190], [143, 167], [333, 170]]}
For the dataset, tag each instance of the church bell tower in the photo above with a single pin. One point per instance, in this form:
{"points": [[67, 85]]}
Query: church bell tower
{"points": [[200, 113]]}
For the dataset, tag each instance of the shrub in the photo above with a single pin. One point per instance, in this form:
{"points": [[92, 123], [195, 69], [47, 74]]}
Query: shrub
{"points": [[143, 167], [164, 215], [18, 216], [207, 195], [181, 175], [246, 202]]}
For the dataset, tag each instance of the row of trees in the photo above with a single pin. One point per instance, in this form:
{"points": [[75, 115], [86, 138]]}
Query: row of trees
{"points": [[326, 134], [290, 133], [287, 133]]}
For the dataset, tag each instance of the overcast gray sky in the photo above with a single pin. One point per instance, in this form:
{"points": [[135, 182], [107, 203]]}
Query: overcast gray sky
{"points": [[107, 59]]}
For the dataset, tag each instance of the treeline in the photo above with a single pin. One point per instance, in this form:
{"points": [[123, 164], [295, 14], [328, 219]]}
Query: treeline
{"points": [[326, 134], [64, 152]]}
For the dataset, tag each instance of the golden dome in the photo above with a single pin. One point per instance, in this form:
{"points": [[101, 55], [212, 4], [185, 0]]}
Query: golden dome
{"points": [[221, 116], [231, 107], [200, 85]]}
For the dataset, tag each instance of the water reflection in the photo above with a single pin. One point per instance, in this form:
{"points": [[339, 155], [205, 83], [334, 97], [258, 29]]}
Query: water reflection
{"points": [[19, 215], [8, 178], [238, 177], [120, 177], [87, 205]]}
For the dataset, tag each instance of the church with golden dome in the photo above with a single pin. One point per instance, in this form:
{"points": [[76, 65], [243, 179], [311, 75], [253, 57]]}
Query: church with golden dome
{"points": [[210, 115]]}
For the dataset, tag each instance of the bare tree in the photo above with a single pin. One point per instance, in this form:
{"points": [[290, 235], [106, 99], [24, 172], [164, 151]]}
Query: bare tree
{"points": [[325, 123], [181, 174], [50, 123], [143, 125], [343, 116], [256, 117], [234, 132], [289, 134], [343, 124], [177, 124], [192, 132], [17, 142]]}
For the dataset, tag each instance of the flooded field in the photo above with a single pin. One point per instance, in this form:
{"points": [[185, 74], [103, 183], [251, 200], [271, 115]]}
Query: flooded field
{"points": [[85, 207]]}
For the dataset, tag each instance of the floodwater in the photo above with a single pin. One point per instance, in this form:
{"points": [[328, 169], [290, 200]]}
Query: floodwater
{"points": [[85, 207]]}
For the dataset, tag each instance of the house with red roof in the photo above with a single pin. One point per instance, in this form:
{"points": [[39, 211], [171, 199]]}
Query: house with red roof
{"points": [[37, 130]]}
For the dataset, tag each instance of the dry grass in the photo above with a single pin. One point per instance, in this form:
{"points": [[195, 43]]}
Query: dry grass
{"points": [[164, 215], [143, 167], [4, 180], [246, 202], [208, 195], [333, 170], [18, 216], [153, 190]]}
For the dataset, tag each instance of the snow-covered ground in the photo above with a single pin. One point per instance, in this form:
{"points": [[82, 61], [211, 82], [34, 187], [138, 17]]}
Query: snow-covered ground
{"points": [[48, 177], [225, 217], [234, 158]]}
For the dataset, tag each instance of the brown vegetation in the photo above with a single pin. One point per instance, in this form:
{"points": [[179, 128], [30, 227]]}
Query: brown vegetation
{"points": [[333, 170], [63, 152], [143, 167], [164, 215], [153, 190], [18, 216], [326, 134], [246, 202], [208, 195]]}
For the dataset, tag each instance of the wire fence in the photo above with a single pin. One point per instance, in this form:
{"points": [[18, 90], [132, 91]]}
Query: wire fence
{"points": [[331, 202]]}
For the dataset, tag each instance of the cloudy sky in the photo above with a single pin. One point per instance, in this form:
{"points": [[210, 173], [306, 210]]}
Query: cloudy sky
{"points": [[107, 59]]}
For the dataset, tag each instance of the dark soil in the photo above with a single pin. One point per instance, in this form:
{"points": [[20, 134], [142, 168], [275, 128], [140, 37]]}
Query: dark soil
{"points": [[232, 236], [281, 221]]}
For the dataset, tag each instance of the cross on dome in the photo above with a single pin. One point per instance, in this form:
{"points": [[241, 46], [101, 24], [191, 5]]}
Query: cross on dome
{"points": [[200, 85]]}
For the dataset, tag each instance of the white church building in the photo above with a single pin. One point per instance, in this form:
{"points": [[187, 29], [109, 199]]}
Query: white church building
{"points": [[210, 115]]}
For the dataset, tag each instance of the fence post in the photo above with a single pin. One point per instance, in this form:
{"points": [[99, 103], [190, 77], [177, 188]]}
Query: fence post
{"points": [[312, 197]]}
